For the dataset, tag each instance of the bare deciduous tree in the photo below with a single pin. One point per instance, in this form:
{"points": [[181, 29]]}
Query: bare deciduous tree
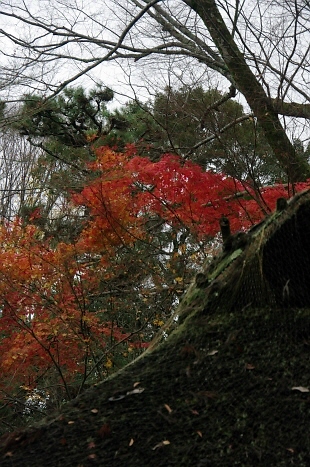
{"points": [[17, 186], [261, 48], [25, 183]]}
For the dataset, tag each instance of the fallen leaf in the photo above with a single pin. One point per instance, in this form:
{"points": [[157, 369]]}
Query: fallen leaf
{"points": [[136, 384], [168, 408], [300, 389], [94, 411], [160, 445], [212, 352], [135, 391], [208, 394], [249, 366], [117, 398], [131, 442], [104, 431], [71, 422], [199, 433], [290, 450]]}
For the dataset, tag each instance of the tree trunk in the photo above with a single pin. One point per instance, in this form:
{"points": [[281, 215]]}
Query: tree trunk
{"points": [[227, 387], [245, 81]]}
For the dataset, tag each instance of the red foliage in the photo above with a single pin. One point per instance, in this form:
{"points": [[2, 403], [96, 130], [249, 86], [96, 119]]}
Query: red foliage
{"points": [[182, 193], [45, 320], [45, 292]]}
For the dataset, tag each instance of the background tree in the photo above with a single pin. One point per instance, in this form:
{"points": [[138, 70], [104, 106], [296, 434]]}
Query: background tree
{"points": [[19, 187], [205, 126], [216, 36], [62, 132]]}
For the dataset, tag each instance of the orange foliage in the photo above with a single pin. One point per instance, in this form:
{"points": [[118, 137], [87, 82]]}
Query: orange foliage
{"points": [[110, 201], [45, 293], [44, 296]]}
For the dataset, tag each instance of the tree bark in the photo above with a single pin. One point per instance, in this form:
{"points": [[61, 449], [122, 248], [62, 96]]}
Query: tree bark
{"points": [[245, 81]]}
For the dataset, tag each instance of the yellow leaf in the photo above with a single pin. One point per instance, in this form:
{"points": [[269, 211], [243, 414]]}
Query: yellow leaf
{"points": [[108, 363], [182, 248]]}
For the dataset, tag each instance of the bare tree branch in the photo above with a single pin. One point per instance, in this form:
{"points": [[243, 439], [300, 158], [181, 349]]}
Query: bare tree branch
{"points": [[258, 46]]}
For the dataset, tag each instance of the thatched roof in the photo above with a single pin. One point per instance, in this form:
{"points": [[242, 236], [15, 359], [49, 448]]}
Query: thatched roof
{"points": [[268, 265], [228, 387]]}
